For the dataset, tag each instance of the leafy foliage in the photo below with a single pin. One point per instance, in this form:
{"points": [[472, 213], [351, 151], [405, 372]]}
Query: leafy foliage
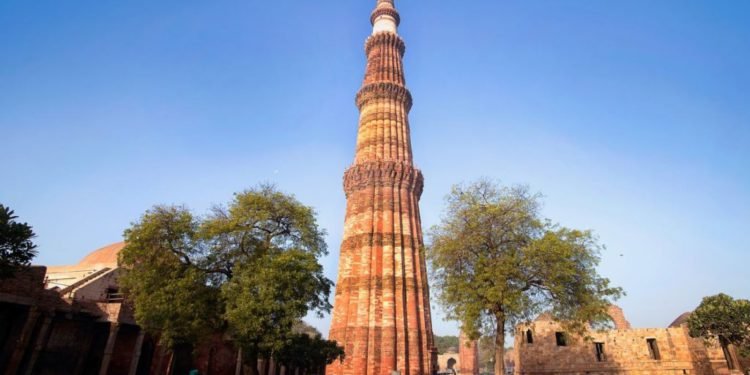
{"points": [[172, 296], [307, 350], [250, 268], [496, 262], [263, 303], [724, 319], [443, 343], [16, 248]]}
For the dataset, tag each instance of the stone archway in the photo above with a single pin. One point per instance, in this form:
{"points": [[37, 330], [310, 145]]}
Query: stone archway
{"points": [[451, 363]]}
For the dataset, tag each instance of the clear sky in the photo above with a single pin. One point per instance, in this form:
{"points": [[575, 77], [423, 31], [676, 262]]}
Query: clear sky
{"points": [[631, 117]]}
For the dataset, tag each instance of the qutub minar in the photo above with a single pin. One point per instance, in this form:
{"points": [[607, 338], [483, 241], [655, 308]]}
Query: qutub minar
{"points": [[381, 313]]}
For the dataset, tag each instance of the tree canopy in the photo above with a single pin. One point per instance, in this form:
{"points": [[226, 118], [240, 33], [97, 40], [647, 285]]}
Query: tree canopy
{"points": [[496, 262], [16, 248], [249, 268], [307, 350], [724, 319], [443, 343]]}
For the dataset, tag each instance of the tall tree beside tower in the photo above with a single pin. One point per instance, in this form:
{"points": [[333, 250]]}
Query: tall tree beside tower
{"points": [[497, 262], [249, 269], [381, 311]]}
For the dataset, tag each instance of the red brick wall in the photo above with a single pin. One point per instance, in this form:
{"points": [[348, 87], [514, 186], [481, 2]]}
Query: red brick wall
{"points": [[64, 349], [122, 354], [469, 355], [25, 283]]}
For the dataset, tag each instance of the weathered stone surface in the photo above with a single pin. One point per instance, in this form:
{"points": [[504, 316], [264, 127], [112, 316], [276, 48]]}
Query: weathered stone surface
{"points": [[468, 352], [618, 317], [63, 320], [381, 312], [384, 174], [623, 350]]}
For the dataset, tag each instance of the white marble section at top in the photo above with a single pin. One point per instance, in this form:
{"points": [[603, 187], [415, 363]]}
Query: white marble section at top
{"points": [[384, 23]]}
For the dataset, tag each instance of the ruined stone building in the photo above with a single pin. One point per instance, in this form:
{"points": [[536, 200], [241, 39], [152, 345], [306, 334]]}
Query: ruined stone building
{"points": [[468, 351], [463, 360], [543, 347], [74, 324], [73, 320], [381, 312]]}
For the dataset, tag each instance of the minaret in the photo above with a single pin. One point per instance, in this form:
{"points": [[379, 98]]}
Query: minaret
{"points": [[381, 312]]}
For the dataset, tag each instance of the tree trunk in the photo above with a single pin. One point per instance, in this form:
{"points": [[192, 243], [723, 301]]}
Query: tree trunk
{"points": [[238, 365], [208, 361], [253, 364], [500, 344], [170, 364]]}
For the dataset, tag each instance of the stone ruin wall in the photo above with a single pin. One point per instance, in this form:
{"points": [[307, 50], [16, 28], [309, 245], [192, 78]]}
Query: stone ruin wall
{"points": [[42, 332], [626, 351], [618, 317], [468, 352]]}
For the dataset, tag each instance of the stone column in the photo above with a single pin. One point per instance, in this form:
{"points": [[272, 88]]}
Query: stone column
{"points": [[114, 329], [734, 357], [41, 343], [23, 341], [159, 353], [238, 367], [434, 360], [137, 352], [85, 348], [468, 355]]}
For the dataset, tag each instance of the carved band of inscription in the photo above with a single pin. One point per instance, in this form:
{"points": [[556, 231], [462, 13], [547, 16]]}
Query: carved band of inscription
{"points": [[392, 174], [384, 90], [387, 38], [375, 284], [385, 12], [397, 240]]}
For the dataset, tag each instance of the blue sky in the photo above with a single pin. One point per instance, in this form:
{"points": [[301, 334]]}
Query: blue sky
{"points": [[632, 118]]}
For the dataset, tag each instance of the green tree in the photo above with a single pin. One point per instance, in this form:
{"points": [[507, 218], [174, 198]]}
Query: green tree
{"points": [[173, 296], [308, 351], [723, 319], [443, 343], [250, 268], [16, 248], [496, 262], [264, 301], [486, 352]]}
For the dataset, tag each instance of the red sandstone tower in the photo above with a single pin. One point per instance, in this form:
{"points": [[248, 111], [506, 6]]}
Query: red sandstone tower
{"points": [[381, 313]]}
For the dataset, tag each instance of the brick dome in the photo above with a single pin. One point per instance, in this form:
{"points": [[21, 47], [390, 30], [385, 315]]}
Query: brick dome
{"points": [[105, 256]]}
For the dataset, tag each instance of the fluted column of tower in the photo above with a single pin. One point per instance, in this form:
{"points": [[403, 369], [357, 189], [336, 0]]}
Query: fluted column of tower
{"points": [[381, 313]]}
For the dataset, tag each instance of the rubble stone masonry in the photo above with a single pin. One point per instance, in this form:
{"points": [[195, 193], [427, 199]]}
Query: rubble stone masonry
{"points": [[543, 348]]}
